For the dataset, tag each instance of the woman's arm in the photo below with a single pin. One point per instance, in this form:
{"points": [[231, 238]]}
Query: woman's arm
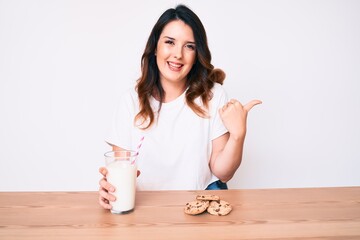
{"points": [[227, 149]]}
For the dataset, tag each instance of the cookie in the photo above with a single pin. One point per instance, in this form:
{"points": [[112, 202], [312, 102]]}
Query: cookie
{"points": [[219, 208], [196, 207], [208, 197]]}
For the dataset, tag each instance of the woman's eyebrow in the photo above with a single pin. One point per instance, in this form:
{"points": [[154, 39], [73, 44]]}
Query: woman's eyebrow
{"points": [[171, 38]]}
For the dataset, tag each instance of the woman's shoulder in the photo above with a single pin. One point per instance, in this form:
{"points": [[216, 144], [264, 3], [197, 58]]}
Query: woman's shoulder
{"points": [[218, 91], [128, 97], [129, 93]]}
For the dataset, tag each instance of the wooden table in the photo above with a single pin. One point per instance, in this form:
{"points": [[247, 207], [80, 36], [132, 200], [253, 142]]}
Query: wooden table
{"points": [[312, 213]]}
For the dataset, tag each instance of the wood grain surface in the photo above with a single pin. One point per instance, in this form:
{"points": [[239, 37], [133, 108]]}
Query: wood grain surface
{"points": [[306, 213]]}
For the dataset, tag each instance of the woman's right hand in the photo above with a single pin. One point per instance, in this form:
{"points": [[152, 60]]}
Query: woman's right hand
{"points": [[105, 190]]}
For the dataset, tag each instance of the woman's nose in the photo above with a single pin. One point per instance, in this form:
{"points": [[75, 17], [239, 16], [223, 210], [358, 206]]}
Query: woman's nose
{"points": [[177, 52]]}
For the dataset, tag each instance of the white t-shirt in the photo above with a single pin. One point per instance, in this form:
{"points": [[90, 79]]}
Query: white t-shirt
{"points": [[176, 149]]}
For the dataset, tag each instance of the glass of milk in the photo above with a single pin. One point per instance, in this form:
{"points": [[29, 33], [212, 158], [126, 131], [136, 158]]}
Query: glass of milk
{"points": [[122, 173]]}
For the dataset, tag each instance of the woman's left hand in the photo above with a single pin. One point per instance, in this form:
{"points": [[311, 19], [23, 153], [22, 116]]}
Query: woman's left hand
{"points": [[234, 115]]}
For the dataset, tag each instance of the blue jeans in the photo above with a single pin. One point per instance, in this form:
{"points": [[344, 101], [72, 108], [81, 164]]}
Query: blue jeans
{"points": [[217, 185]]}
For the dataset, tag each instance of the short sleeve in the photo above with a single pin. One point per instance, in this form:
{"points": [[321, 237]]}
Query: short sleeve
{"points": [[122, 124], [219, 100]]}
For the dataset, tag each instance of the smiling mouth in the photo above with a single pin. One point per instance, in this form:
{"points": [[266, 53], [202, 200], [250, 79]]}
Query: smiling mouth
{"points": [[175, 66]]}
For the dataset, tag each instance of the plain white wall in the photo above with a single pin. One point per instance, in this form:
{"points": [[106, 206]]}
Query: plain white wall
{"points": [[64, 63]]}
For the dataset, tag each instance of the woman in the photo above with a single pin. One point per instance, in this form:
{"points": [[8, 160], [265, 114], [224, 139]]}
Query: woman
{"points": [[193, 136]]}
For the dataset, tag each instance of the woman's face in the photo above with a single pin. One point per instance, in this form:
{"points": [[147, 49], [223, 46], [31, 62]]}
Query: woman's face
{"points": [[175, 53]]}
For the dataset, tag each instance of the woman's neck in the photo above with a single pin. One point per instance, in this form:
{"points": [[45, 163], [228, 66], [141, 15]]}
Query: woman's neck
{"points": [[172, 91]]}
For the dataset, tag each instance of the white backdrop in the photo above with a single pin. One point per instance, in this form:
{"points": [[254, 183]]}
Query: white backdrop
{"points": [[64, 63]]}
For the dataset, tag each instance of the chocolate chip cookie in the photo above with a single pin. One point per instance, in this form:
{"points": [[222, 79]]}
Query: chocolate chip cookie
{"points": [[208, 197], [196, 207], [219, 208]]}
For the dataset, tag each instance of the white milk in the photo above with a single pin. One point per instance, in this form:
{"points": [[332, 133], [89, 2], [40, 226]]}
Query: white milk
{"points": [[122, 175]]}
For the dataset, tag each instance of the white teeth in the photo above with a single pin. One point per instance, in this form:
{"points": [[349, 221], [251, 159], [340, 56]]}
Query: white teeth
{"points": [[175, 64]]}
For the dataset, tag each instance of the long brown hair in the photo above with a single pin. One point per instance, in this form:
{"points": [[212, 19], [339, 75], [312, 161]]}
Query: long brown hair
{"points": [[200, 79]]}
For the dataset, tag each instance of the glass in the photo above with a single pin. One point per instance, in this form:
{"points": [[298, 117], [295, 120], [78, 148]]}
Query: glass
{"points": [[122, 173]]}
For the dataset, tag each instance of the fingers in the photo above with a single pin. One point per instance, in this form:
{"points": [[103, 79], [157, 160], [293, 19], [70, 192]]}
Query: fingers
{"points": [[104, 196], [228, 104], [251, 104], [103, 171], [106, 185], [105, 189], [104, 202], [236, 103]]}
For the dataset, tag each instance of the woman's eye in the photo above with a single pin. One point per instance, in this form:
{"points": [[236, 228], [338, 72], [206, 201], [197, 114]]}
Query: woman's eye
{"points": [[169, 42], [190, 46]]}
